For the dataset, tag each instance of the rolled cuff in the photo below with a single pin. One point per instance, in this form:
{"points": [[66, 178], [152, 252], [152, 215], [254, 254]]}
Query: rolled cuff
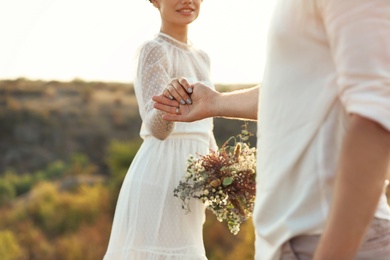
{"points": [[372, 107]]}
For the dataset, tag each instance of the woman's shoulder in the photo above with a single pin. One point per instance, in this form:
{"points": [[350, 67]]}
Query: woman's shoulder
{"points": [[151, 45], [151, 50], [203, 54]]}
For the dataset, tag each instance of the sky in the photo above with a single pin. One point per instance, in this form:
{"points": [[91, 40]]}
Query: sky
{"points": [[96, 40]]}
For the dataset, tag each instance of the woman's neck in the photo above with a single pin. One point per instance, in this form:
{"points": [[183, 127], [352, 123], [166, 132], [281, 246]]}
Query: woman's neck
{"points": [[180, 35]]}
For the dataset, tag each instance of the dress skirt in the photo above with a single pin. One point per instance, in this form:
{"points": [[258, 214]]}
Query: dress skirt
{"points": [[149, 222]]}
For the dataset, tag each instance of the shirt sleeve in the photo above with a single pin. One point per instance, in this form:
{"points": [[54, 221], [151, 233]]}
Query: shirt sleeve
{"points": [[152, 77], [359, 34]]}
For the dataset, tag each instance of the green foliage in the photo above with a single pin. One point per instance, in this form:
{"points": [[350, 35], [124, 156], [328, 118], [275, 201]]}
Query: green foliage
{"points": [[55, 170], [57, 213], [227, 181], [13, 184], [221, 244], [19, 183], [7, 192], [119, 157], [79, 165], [48, 214], [26, 181], [10, 249]]}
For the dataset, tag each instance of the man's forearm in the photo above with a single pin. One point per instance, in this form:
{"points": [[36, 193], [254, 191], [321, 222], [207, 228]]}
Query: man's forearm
{"points": [[240, 104], [363, 168]]}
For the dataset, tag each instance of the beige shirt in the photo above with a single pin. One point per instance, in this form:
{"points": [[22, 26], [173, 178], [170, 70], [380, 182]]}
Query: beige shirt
{"points": [[326, 59]]}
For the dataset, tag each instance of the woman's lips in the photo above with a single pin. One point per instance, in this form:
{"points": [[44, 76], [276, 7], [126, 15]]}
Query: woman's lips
{"points": [[186, 11]]}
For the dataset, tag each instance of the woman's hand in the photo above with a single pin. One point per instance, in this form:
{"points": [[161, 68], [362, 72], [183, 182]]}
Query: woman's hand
{"points": [[202, 105], [179, 89]]}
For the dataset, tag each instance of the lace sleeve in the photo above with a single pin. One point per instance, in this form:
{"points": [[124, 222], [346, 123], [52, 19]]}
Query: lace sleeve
{"points": [[151, 78]]}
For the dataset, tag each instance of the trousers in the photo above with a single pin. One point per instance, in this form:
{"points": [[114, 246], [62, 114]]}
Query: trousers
{"points": [[375, 246]]}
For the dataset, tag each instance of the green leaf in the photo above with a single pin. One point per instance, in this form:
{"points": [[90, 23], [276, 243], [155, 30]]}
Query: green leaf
{"points": [[245, 138], [227, 181]]}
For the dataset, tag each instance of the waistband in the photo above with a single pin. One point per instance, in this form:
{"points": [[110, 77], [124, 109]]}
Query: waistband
{"points": [[199, 137]]}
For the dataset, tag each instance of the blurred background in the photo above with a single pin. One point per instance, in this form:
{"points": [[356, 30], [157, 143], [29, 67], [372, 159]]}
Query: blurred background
{"points": [[69, 119]]}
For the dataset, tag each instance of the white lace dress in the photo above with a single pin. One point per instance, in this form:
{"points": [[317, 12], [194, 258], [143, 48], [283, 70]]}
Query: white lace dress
{"points": [[149, 222]]}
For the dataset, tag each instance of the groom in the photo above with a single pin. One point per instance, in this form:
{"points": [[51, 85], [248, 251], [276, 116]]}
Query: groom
{"points": [[323, 130]]}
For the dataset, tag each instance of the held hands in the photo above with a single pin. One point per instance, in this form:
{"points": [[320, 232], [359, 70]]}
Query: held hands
{"points": [[184, 102], [179, 89]]}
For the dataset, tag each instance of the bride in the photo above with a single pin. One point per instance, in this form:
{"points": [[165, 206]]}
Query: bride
{"points": [[149, 222]]}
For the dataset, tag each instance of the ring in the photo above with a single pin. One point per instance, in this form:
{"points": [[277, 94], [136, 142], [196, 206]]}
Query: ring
{"points": [[177, 110]]}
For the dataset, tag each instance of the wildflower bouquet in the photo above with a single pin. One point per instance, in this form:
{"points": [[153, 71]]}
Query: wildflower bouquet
{"points": [[224, 180]]}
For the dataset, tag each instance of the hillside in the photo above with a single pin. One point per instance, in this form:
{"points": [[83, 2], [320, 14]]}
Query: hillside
{"points": [[44, 121]]}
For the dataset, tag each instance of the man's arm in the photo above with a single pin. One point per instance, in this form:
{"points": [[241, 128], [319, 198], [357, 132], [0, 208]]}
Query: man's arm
{"points": [[363, 167], [239, 104]]}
